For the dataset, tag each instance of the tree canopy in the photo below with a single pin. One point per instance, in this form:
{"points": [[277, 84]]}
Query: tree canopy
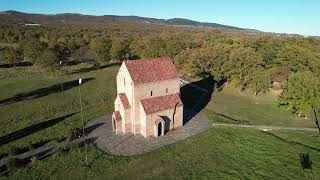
{"points": [[251, 62], [301, 94], [11, 55], [101, 47]]}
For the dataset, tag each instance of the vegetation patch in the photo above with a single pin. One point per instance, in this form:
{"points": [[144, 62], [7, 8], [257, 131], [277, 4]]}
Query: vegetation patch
{"points": [[233, 106], [216, 153]]}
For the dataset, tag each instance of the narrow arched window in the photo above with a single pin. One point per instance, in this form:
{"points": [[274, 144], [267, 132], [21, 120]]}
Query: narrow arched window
{"points": [[166, 90], [151, 93], [124, 81]]}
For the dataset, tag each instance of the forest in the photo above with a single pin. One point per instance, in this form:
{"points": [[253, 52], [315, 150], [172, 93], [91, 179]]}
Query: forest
{"points": [[251, 62]]}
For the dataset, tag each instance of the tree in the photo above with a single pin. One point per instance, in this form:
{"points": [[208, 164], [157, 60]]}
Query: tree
{"points": [[301, 94], [11, 55], [48, 58], [149, 47], [83, 55], [32, 49], [215, 37], [175, 42], [120, 48], [268, 47], [261, 82], [243, 64], [182, 62], [101, 47], [297, 58], [204, 62]]}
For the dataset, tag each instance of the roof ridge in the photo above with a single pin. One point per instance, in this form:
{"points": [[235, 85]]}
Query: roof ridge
{"points": [[149, 59]]}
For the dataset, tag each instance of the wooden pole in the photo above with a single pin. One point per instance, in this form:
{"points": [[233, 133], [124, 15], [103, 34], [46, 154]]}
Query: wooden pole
{"points": [[61, 86], [83, 131]]}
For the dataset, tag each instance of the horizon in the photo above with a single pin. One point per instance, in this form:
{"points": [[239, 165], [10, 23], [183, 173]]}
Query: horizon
{"points": [[290, 17]]}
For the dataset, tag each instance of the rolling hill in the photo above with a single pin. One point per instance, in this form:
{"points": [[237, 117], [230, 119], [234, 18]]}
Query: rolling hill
{"points": [[15, 17]]}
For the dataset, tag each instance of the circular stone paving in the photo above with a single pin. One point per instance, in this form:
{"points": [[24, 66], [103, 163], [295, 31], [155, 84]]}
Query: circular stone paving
{"points": [[106, 140]]}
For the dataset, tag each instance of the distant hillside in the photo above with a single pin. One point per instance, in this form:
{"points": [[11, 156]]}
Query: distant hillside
{"points": [[14, 17]]}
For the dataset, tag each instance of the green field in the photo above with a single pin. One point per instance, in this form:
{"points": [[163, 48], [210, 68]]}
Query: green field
{"points": [[231, 106], [33, 110], [308, 139], [220, 153]]}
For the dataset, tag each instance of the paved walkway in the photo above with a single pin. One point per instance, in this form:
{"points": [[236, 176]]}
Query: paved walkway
{"points": [[264, 127], [129, 144]]}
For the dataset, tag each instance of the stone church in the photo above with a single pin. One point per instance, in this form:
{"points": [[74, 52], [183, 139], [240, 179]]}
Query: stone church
{"points": [[148, 98]]}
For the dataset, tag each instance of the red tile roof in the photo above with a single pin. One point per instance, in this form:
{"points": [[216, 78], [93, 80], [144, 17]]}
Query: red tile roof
{"points": [[161, 103], [117, 115], [151, 70], [124, 100]]}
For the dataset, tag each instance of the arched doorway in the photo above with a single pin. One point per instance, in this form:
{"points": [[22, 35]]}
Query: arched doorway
{"points": [[159, 129]]}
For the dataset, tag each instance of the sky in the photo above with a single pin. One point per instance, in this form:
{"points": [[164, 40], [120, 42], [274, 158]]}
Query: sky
{"points": [[281, 16]]}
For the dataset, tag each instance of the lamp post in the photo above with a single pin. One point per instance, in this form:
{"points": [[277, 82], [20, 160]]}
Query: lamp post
{"points": [[83, 131]]}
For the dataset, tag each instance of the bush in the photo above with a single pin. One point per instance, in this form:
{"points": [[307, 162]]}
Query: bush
{"points": [[305, 161], [76, 133]]}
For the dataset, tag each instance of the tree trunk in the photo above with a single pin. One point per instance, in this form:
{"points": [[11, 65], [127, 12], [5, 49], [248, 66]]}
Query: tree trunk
{"points": [[316, 119], [52, 69]]}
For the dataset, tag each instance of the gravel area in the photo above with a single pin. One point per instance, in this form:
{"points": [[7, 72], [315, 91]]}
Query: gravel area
{"points": [[105, 139]]}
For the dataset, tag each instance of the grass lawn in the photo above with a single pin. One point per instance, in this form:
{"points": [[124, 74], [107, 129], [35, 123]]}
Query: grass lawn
{"points": [[231, 106], [221, 153], [308, 139], [33, 108]]}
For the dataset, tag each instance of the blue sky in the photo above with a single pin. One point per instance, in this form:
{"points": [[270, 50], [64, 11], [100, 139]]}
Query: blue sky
{"points": [[289, 16]]}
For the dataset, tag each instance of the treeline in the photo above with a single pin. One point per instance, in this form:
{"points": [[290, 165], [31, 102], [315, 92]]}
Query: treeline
{"points": [[81, 44], [250, 62]]}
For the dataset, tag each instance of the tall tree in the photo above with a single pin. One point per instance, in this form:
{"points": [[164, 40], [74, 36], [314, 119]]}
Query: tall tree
{"points": [[11, 55], [209, 61], [243, 64], [49, 59], [120, 48], [301, 94], [101, 47], [83, 54], [148, 47], [296, 57], [261, 82], [32, 49]]}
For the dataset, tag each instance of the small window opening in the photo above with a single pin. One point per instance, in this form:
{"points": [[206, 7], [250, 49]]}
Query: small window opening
{"points": [[124, 81], [151, 93], [166, 90]]}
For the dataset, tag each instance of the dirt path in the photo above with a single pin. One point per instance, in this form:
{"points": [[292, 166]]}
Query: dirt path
{"points": [[264, 127]]}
